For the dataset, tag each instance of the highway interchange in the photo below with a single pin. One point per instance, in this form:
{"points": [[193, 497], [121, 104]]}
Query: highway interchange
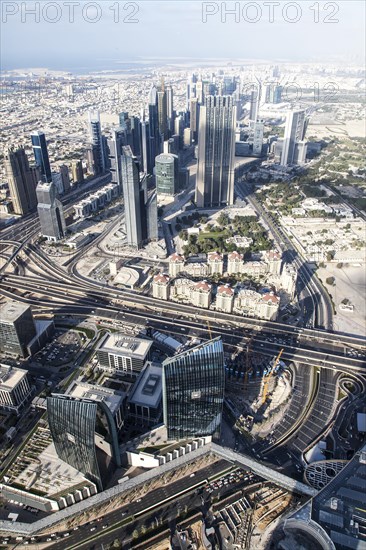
{"points": [[66, 293]]}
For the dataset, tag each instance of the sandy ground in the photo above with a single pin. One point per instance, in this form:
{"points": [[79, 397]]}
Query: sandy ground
{"points": [[350, 282]]}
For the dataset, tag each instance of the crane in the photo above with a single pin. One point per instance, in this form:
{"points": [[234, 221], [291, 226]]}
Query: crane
{"points": [[269, 375]]}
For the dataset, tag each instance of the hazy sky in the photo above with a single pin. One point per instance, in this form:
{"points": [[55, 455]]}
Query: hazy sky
{"points": [[176, 29]]}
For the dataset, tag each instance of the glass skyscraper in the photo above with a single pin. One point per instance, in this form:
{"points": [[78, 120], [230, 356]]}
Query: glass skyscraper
{"points": [[193, 391], [41, 155], [166, 174], [295, 129], [50, 212], [98, 144], [73, 424], [22, 180], [216, 149]]}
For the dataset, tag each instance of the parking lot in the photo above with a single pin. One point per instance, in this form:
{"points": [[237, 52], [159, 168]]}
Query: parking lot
{"points": [[61, 350]]}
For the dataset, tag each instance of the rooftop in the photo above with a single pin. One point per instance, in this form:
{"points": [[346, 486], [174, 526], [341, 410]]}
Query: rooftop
{"points": [[82, 390], [11, 311], [126, 345], [148, 387], [10, 376]]}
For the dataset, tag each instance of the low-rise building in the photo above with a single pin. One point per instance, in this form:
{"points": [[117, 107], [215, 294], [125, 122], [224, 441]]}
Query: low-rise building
{"points": [[201, 294], [234, 263], [160, 286], [225, 298], [145, 400], [176, 265], [251, 303], [215, 263], [123, 355], [15, 389]]}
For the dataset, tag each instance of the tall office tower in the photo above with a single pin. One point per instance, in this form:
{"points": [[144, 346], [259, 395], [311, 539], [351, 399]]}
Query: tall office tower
{"points": [[77, 171], [151, 212], [57, 180], [277, 93], [191, 89], [74, 425], [162, 112], [216, 150], [17, 328], [65, 176], [179, 127], [154, 136], [200, 95], [114, 146], [169, 109], [193, 391], [122, 118], [50, 212], [145, 147], [97, 142], [295, 129], [255, 96], [258, 131], [134, 191], [41, 155], [135, 135], [22, 180], [194, 117], [166, 174]]}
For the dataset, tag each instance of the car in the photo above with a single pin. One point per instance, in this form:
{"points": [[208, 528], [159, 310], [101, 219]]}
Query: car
{"points": [[138, 500], [92, 528], [105, 526], [66, 534]]}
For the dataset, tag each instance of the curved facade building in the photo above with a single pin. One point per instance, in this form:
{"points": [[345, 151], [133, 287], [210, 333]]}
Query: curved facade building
{"points": [[193, 391], [73, 424]]}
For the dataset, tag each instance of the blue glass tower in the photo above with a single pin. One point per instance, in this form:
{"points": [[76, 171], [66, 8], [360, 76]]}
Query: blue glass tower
{"points": [[41, 156], [193, 391], [73, 424]]}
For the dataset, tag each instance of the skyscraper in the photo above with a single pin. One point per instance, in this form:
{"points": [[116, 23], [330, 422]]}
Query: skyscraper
{"points": [[114, 155], [132, 198], [258, 131], [294, 133], [50, 212], [162, 112], [166, 174], [216, 149], [97, 142], [22, 181], [194, 116], [193, 391], [140, 206], [41, 155], [17, 328], [255, 96], [73, 425], [154, 136], [170, 109]]}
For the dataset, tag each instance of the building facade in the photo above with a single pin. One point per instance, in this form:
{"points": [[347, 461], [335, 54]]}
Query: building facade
{"points": [[40, 151], [193, 391], [123, 355], [295, 129], [216, 150], [166, 174], [97, 142], [73, 424], [50, 212], [17, 328], [161, 286], [15, 389], [22, 180]]}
